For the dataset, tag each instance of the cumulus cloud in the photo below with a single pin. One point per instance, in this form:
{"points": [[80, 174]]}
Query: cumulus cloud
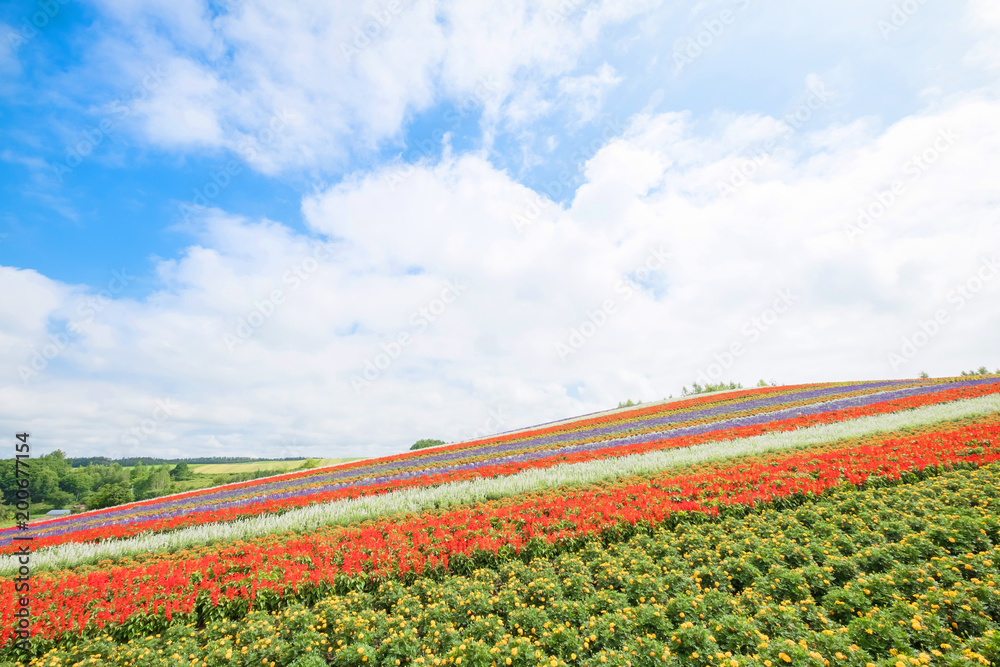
{"points": [[351, 74], [443, 299]]}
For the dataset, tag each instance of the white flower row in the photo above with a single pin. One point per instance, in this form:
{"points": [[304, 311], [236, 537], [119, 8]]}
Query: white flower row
{"points": [[344, 512]]}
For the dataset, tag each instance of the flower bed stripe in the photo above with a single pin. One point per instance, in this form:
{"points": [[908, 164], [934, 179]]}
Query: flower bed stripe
{"points": [[283, 565], [521, 477], [285, 492]]}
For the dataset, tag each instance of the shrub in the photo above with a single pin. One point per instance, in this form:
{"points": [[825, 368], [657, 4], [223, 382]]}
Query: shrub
{"points": [[426, 442], [110, 495]]}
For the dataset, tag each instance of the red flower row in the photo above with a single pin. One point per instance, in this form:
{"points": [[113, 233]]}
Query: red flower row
{"points": [[266, 505], [172, 584]]}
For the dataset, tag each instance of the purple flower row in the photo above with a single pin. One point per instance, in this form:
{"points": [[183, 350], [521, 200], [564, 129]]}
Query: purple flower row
{"points": [[380, 473], [238, 495]]}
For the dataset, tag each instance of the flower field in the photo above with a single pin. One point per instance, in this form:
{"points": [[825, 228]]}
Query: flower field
{"points": [[848, 524], [678, 424]]}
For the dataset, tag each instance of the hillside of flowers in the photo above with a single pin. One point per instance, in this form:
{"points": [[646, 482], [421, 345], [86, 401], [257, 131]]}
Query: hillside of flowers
{"points": [[676, 424], [829, 524]]}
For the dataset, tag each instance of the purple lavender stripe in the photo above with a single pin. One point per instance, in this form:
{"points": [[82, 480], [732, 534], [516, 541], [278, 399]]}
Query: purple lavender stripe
{"points": [[220, 499], [281, 490]]}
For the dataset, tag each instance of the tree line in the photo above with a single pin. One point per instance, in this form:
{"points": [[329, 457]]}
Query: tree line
{"points": [[130, 461], [54, 481]]}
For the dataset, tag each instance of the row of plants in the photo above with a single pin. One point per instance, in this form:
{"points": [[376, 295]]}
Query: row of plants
{"points": [[896, 572], [229, 578], [345, 512], [286, 493]]}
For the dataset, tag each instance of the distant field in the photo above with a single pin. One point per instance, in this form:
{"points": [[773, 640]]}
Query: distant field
{"points": [[277, 466]]}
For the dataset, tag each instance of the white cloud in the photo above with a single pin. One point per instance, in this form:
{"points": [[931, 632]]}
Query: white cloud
{"points": [[351, 74], [403, 231], [983, 19], [182, 111], [587, 93]]}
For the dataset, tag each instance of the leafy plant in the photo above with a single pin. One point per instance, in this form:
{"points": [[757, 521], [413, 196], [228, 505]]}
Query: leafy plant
{"points": [[109, 495], [721, 386], [426, 442]]}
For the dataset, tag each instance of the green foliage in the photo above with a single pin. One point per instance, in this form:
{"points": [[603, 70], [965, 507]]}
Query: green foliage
{"points": [[309, 464], [109, 495], [60, 499], [426, 442], [181, 472], [77, 482], [113, 474], [235, 477], [151, 482], [981, 371], [721, 386], [8, 482], [887, 575], [56, 484], [52, 481], [131, 461], [628, 403]]}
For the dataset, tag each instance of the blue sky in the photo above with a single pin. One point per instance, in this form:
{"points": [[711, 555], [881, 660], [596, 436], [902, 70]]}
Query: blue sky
{"points": [[538, 151]]}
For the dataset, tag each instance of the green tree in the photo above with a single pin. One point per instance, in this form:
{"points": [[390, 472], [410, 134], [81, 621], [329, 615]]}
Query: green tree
{"points": [[112, 474], [44, 483], [138, 472], [721, 386], [8, 481], [157, 483], [426, 442], [181, 472], [109, 495], [60, 499], [56, 462], [77, 482]]}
